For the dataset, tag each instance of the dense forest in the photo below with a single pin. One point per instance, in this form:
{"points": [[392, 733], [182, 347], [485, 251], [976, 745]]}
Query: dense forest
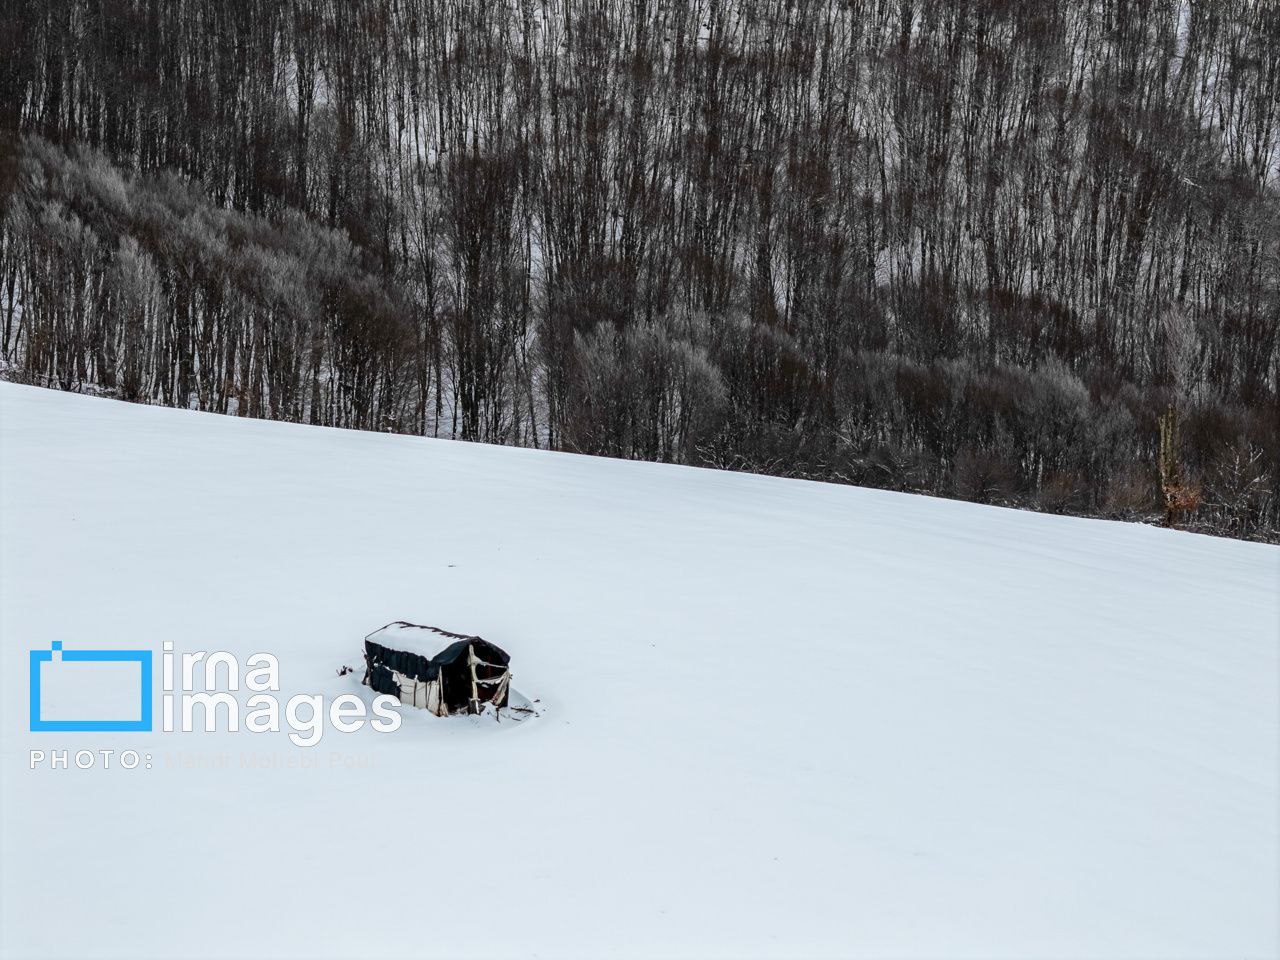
{"points": [[1013, 251]]}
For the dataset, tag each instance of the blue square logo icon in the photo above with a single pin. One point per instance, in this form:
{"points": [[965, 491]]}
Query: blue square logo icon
{"points": [[90, 689]]}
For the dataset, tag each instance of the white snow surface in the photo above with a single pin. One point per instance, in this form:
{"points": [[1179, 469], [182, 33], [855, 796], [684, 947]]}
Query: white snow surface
{"points": [[777, 718]]}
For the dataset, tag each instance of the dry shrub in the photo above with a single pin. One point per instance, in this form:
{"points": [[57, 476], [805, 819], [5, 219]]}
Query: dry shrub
{"points": [[1129, 494], [1180, 499], [1061, 492], [981, 476]]}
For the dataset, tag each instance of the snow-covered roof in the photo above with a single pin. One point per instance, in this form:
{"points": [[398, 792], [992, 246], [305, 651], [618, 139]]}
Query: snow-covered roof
{"points": [[415, 638]]}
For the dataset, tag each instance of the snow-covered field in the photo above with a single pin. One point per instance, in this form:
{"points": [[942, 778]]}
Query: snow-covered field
{"points": [[779, 718]]}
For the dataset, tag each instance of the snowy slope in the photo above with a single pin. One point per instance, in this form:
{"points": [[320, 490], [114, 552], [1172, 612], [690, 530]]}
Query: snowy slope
{"points": [[779, 718]]}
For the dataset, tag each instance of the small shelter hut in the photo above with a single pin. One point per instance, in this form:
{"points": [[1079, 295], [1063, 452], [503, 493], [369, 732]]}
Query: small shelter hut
{"points": [[404, 660]]}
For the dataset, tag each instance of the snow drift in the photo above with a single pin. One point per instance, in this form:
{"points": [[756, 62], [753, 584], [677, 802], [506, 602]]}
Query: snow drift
{"points": [[777, 718]]}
